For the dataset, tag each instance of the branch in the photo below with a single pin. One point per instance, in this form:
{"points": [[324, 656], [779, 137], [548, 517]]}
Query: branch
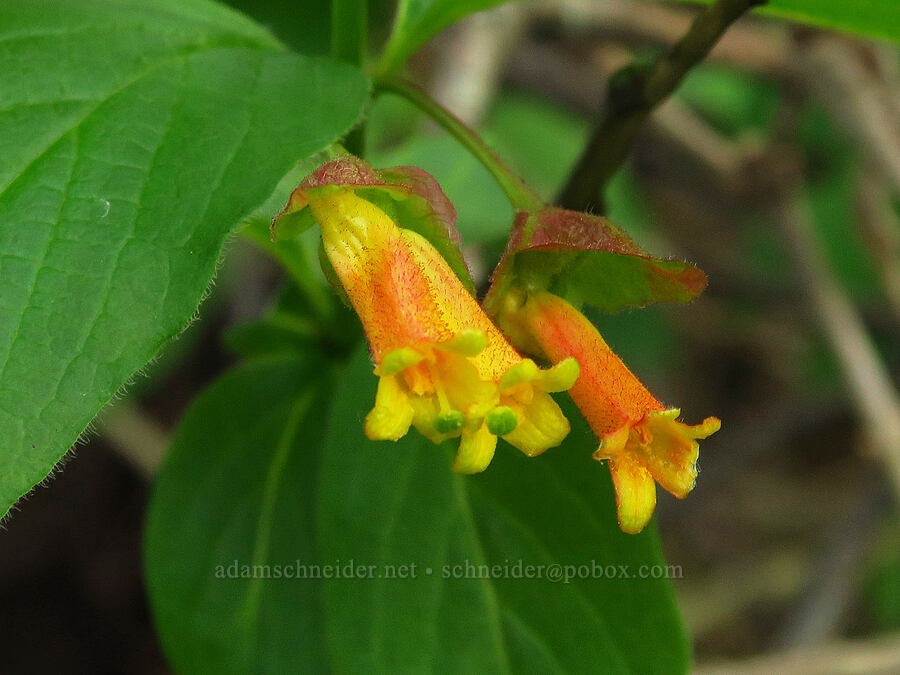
{"points": [[761, 48], [633, 94]]}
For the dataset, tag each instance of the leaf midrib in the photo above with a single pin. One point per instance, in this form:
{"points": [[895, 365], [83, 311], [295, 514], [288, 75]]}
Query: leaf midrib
{"points": [[526, 531], [461, 496], [271, 487]]}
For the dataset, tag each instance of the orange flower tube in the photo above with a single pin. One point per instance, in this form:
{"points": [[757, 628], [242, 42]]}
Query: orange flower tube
{"points": [[444, 367], [639, 437]]}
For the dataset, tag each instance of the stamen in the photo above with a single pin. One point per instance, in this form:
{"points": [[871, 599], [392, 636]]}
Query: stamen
{"points": [[525, 371], [398, 360], [443, 401], [465, 343]]}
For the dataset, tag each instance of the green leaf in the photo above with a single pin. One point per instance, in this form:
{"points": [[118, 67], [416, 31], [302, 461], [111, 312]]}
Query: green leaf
{"points": [[875, 18], [398, 510], [417, 21], [349, 30], [134, 136], [236, 491]]}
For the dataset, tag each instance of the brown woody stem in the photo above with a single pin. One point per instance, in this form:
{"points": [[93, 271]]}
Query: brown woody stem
{"points": [[633, 94]]}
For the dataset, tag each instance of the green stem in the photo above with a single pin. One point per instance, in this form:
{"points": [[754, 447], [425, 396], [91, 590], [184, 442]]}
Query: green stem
{"points": [[633, 94], [520, 195], [349, 27], [349, 42], [393, 55]]}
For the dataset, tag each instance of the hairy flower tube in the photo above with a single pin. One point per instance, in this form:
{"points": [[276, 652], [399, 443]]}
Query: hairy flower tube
{"points": [[443, 366], [639, 437]]}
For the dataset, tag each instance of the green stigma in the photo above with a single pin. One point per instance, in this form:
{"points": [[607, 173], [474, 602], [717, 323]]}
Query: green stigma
{"points": [[448, 422], [502, 420]]}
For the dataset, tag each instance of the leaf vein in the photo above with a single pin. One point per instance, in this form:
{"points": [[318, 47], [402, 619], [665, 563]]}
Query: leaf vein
{"points": [[92, 324]]}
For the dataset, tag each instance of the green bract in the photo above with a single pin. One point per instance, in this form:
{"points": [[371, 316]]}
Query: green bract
{"points": [[587, 260], [409, 195]]}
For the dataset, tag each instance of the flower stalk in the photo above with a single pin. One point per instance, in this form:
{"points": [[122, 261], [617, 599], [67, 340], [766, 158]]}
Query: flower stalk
{"points": [[519, 194]]}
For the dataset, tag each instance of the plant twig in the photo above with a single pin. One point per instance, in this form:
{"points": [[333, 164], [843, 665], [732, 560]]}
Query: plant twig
{"points": [[761, 48], [633, 94]]}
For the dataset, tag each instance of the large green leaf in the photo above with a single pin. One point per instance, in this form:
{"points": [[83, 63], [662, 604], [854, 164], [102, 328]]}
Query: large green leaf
{"points": [[236, 490], [875, 18], [134, 136], [418, 20], [398, 511]]}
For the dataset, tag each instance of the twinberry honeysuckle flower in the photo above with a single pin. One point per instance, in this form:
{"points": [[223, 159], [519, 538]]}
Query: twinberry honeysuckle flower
{"points": [[641, 439], [443, 366]]}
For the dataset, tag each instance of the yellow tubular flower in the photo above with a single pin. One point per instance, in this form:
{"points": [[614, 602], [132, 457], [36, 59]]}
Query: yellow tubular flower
{"points": [[641, 439], [443, 365]]}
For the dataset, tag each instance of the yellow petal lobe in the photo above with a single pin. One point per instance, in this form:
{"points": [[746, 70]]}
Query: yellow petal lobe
{"points": [[542, 425], [635, 493], [476, 450], [392, 415]]}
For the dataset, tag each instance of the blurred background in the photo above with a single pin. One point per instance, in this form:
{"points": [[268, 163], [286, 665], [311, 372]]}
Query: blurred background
{"points": [[775, 168]]}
